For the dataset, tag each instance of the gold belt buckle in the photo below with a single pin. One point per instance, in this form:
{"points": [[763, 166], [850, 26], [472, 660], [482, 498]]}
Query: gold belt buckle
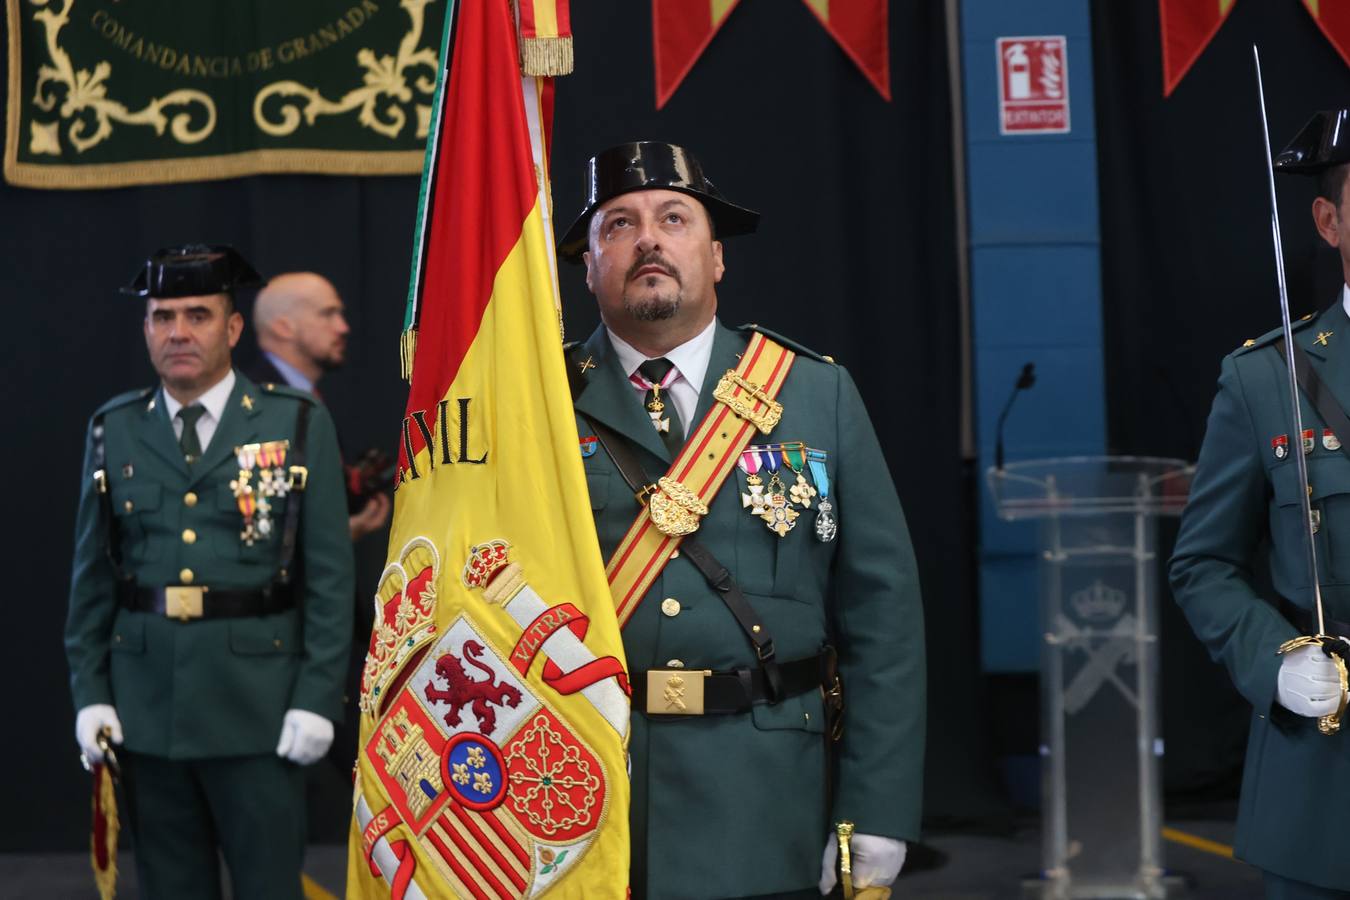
{"points": [[746, 405], [675, 692], [183, 602]]}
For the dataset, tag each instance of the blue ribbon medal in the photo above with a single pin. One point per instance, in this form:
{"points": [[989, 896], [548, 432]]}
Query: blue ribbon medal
{"points": [[827, 526]]}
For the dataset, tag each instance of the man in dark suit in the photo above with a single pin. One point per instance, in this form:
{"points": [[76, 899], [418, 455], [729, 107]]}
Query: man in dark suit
{"points": [[1247, 493], [730, 741], [302, 333], [210, 601]]}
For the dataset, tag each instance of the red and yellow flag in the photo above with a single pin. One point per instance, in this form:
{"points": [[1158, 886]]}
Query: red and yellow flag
{"points": [[494, 697]]}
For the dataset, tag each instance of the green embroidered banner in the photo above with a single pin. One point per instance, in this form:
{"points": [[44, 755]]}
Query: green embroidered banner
{"points": [[109, 93]]}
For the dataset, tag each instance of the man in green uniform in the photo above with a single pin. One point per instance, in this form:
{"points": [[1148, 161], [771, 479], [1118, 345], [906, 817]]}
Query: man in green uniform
{"points": [[1246, 494], [803, 553], [210, 604]]}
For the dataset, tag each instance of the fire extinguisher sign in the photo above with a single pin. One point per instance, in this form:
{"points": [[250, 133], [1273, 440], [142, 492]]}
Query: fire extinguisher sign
{"points": [[1033, 85]]}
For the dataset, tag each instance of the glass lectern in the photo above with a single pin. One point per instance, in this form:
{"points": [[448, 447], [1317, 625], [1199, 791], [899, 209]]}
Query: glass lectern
{"points": [[1100, 747]]}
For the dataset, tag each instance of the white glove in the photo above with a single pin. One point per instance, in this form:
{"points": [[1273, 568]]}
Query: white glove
{"points": [[876, 861], [305, 736], [1308, 683], [89, 722]]}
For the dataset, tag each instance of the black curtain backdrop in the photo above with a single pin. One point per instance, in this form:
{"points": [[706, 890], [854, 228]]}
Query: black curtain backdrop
{"points": [[855, 257], [1188, 273]]}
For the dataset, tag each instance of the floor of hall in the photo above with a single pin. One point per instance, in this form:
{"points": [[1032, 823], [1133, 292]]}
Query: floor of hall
{"points": [[965, 867]]}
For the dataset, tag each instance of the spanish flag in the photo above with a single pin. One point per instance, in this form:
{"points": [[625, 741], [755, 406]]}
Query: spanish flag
{"points": [[494, 698]]}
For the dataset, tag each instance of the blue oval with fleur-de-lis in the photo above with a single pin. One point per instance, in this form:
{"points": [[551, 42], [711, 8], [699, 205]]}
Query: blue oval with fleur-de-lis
{"points": [[474, 771]]}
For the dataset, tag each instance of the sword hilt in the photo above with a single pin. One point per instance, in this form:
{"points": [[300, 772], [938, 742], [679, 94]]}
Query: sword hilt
{"points": [[1336, 650]]}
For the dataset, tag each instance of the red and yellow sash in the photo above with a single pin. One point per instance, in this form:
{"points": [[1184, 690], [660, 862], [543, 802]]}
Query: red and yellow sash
{"points": [[675, 504]]}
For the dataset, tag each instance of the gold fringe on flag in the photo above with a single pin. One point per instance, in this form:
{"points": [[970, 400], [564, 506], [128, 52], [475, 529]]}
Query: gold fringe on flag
{"points": [[546, 56], [407, 347]]}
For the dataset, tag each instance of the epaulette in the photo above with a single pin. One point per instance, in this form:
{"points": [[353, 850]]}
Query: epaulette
{"points": [[1273, 335], [125, 400], [789, 343], [285, 390]]}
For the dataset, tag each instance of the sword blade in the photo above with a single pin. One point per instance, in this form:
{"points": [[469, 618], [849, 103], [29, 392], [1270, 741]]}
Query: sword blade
{"points": [[1300, 458]]}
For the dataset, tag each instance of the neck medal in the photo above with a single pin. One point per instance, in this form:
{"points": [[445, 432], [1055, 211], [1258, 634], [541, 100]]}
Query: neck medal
{"points": [[655, 407], [827, 526]]}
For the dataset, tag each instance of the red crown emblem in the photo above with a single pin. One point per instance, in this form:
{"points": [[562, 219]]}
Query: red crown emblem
{"points": [[405, 618], [485, 561]]}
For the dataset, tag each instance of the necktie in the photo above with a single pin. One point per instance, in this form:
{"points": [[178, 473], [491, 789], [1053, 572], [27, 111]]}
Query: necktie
{"points": [[665, 417], [192, 447]]}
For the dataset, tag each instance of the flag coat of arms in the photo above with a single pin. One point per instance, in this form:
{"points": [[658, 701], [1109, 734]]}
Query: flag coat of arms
{"points": [[494, 697]]}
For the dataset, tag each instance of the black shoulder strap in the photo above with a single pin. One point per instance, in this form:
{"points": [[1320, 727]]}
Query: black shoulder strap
{"points": [[300, 477], [718, 576], [1327, 406]]}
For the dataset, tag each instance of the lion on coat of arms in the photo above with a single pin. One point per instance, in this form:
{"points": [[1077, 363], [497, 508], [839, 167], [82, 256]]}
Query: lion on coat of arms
{"points": [[463, 690]]}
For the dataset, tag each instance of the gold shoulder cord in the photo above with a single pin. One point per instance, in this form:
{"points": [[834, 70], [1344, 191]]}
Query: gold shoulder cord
{"points": [[1329, 724]]}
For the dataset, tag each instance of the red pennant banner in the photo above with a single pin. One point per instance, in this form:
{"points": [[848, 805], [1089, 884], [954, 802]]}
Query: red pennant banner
{"points": [[682, 30], [1334, 20], [1187, 28], [860, 28]]}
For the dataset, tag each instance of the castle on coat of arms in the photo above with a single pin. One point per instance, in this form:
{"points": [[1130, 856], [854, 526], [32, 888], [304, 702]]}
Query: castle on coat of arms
{"points": [[410, 761]]}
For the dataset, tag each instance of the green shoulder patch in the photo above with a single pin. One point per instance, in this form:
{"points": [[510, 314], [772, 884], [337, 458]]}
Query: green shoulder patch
{"points": [[126, 399], [789, 343], [1273, 335]]}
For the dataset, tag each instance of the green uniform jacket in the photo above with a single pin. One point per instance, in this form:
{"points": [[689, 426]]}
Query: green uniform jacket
{"points": [[209, 687], [1244, 494], [735, 805]]}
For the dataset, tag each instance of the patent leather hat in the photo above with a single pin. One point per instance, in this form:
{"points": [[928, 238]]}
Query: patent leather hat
{"points": [[193, 270], [648, 165], [1324, 142]]}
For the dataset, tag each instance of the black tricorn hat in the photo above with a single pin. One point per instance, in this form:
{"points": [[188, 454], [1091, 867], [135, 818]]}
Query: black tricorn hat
{"points": [[193, 270], [1324, 142], [645, 165]]}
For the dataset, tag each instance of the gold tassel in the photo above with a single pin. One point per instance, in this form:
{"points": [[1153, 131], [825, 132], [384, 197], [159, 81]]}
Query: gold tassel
{"points": [[407, 347], [106, 879], [546, 56]]}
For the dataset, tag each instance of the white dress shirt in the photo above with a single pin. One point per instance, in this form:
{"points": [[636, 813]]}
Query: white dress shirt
{"points": [[691, 363], [214, 400], [1345, 298]]}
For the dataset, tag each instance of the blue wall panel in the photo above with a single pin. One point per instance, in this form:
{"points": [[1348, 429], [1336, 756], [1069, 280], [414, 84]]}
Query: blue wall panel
{"points": [[1036, 294]]}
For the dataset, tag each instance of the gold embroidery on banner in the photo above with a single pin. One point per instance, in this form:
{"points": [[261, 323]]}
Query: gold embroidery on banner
{"points": [[409, 760], [88, 92], [384, 79]]}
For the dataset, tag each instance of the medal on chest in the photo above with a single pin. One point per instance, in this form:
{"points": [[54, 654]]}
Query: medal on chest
{"points": [[778, 504], [767, 501], [826, 524], [262, 480]]}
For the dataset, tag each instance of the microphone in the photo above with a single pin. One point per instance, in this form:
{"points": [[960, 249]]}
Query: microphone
{"points": [[1024, 381]]}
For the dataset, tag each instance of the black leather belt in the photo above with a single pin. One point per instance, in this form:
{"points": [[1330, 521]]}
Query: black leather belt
{"points": [[1305, 620], [191, 601], [699, 692]]}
